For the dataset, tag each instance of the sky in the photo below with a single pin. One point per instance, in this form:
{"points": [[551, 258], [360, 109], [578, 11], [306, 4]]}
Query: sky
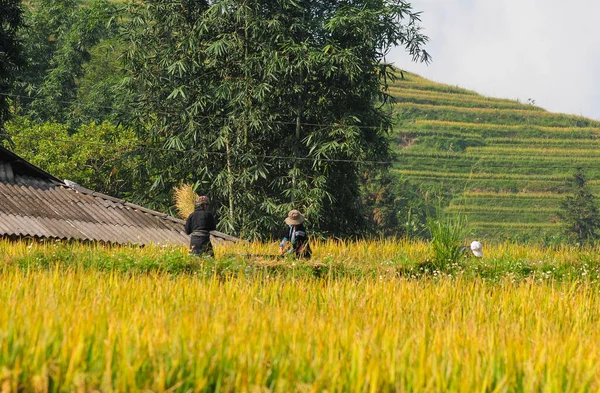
{"points": [[544, 50]]}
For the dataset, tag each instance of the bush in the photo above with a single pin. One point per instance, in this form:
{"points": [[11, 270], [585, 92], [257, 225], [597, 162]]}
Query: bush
{"points": [[447, 235]]}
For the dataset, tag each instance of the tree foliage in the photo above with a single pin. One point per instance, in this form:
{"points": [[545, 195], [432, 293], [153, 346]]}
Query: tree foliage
{"points": [[96, 156], [11, 58], [579, 211], [394, 206], [58, 43], [266, 105]]}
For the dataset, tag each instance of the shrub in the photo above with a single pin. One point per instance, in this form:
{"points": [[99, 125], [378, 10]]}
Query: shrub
{"points": [[579, 212], [447, 234]]}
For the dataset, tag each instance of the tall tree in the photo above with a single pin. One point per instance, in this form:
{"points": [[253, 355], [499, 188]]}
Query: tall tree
{"points": [[579, 211], [11, 60], [58, 41], [266, 104]]}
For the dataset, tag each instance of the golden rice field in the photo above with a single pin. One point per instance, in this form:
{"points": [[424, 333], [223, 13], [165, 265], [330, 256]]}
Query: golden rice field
{"points": [[487, 176], [543, 141], [499, 127], [70, 322]]}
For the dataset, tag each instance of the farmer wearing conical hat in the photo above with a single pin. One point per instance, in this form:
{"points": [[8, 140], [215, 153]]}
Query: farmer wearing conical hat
{"points": [[198, 225], [295, 236]]}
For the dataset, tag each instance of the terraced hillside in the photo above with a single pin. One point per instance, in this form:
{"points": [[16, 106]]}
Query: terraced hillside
{"points": [[505, 162]]}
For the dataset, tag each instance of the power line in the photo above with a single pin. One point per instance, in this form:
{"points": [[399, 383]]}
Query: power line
{"points": [[207, 117], [437, 156], [219, 153], [480, 164]]}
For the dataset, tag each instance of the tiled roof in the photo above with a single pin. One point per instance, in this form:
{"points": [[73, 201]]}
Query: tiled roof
{"points": [[34, 203]]}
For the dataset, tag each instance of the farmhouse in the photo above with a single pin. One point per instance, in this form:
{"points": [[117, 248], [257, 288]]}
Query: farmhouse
{"points": [[35, 204]]}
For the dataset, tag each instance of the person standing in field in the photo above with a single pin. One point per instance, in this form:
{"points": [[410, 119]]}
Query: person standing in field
{"points": [[296, 236], [198, 225]]}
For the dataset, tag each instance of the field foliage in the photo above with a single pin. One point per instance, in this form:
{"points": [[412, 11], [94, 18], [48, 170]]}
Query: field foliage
{"points": [[360, 317]]}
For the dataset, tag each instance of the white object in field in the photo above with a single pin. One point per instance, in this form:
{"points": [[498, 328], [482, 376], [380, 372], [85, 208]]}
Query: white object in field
{"points": [[477, 248]]}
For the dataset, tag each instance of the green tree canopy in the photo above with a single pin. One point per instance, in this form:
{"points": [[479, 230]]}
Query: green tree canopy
{"points": [[58, 42], [11, 59], [266, 105], [579, 211], [97, 156]]}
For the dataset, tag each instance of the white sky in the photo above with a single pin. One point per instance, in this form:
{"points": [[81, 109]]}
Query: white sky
{"points": [[546, 50]]}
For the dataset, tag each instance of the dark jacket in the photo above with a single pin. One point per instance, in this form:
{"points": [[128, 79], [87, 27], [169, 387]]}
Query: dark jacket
{"points": [[200, 221], [297, 236], [298, 232]]}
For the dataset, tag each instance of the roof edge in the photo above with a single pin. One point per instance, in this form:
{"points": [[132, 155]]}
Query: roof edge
{"points": [[15, 158], [87, 191]]}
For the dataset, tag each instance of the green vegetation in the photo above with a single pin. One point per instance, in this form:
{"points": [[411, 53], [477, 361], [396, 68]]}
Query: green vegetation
{"points": [[11, 56], [59, 41], [231, 114], [263, 106], [266, 106], [361, 316], [93, 154], [332, 260], [505, 164], [579, 211], [447, 235]]}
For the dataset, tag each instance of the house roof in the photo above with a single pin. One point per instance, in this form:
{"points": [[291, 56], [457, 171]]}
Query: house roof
{"points": [[35, 203]]}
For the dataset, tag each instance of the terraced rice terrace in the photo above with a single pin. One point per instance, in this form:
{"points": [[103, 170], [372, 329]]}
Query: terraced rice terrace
{"points": [[506, 163]]}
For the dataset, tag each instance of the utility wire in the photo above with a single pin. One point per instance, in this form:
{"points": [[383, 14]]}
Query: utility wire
{"points": [[206, 117], [477, 167], [436, 156]]}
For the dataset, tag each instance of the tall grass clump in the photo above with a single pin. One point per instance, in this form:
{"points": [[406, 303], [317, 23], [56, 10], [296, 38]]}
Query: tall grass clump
{"points": [[447, 236]]}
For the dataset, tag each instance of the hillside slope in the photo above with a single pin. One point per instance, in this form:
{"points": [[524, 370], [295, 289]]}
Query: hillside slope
{"points": [[506, 163]]}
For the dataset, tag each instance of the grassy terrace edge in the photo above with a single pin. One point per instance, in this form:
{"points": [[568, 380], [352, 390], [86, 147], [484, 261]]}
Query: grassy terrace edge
{"points": [[451, 139], [377, 259]]}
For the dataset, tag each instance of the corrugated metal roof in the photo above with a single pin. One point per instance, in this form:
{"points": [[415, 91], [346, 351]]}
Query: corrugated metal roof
{"points": [[34, 203], [51, 212]]}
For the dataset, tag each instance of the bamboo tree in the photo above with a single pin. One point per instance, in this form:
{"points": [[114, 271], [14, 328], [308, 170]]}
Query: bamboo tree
{"points": [[11, 56], [301, 80], [57, 42]]}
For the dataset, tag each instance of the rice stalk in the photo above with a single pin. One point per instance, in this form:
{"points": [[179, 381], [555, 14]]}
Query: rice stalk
{"points": [[184, 197]]}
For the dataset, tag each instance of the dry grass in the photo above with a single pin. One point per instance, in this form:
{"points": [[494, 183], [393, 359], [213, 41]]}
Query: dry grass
{"points": [[76, 332], [66, 328], [508, 127], [184, 197]]}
